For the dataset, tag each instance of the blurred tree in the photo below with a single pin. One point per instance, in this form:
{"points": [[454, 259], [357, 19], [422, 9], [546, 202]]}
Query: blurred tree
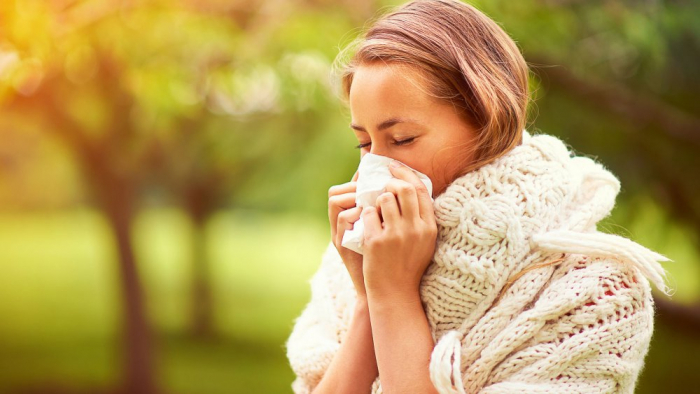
{"points": [[631, 62], [47, 79], [619, 78], [260, 101], [136, 107], [192, 108]]}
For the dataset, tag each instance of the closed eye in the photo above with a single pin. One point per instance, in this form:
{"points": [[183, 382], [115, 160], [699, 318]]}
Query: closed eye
{"points": [[402, 142]]}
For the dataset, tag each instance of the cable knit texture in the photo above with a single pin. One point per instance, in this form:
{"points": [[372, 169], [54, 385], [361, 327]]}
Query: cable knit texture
{"points": [[582, 325]]}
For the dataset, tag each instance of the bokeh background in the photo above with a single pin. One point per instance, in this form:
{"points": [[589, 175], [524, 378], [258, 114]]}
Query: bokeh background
{"points": [[164, 168]]}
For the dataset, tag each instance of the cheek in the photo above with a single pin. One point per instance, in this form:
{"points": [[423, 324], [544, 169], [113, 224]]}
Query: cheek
{"points": [[419, 165], [425, 167], [445, 168]]}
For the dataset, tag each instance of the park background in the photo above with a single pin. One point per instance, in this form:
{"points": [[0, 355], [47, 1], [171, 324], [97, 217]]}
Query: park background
{"points": [[164, 168]]}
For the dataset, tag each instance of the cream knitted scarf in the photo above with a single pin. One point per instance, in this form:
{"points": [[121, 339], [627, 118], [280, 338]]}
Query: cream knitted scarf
{"points": [[580, 325]]}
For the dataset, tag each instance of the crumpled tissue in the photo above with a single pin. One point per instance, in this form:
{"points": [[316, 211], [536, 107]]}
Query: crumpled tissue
{"points": [[373, 175]]}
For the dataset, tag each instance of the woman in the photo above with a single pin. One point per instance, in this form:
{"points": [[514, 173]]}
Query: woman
{"points": [[502, 284]]}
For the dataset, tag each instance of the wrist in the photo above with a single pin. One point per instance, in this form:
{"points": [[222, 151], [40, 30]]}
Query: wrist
{"points": [[361, 305], [395, 298]]}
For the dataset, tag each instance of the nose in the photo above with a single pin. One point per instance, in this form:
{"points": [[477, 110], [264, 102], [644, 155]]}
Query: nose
{"points": [[378, 150]]}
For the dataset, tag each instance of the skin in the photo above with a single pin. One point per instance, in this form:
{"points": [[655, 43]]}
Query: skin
{"points": [[380, 93], [389, 334]]}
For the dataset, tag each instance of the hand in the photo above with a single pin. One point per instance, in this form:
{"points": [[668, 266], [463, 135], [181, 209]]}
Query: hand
{"points": [[398, 250], [342, 214]]}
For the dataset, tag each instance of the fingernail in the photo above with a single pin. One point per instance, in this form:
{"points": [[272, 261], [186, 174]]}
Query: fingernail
{"points": [[395, 164]]}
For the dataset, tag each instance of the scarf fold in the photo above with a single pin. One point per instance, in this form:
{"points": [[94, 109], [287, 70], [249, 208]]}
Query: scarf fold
{"points": [[499, 326], [606, 245], [537, 202]]}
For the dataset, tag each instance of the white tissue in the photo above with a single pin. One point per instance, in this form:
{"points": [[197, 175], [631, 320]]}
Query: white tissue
{"points": [[373, 175]]}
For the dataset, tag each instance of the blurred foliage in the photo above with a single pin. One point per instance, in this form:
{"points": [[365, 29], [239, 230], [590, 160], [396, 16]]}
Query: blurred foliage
{"points": [[215, 122]]}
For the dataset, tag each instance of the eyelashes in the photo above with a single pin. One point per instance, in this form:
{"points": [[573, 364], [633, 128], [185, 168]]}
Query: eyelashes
{"points": [[402, 142]]}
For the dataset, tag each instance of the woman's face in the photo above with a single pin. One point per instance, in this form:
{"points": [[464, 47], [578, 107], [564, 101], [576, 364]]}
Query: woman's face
{"points": [[393, 116]]}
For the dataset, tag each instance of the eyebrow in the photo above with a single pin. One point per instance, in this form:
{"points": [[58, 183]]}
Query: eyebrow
{"points": [[385, 124]]}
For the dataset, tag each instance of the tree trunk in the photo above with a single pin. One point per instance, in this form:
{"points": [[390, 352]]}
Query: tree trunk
{"points": [[117, 196], [115, 193], [202, 305]]}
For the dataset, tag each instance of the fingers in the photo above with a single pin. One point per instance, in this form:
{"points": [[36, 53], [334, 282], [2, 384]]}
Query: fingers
{"points": [[425, 201], [389, 208], [373, 225], [346, 221], [336, 204], [341, 202], [343, 188], [340, 197], [350, 215], [407, 198]]}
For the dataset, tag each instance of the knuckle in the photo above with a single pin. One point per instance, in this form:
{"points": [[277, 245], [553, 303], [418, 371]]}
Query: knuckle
{"points": [[394, 238], [413, 233], [342, 188], [405, 188], [348, 214], [342, 216], [422, 229], [332, 190], [433, 229], [367, 210], [431, 232], [385, 197], [333, 201], [421, 188]]}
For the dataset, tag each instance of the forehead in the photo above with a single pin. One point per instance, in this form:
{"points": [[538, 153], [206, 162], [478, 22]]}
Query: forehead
{"points": [[381, 90]]}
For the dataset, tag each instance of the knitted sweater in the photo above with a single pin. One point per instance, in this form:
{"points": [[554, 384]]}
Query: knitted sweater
{"points": [[582, 325]]}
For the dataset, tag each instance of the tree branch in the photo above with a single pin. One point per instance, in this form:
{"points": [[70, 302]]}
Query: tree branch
{"points": [[614, 98], [43, 103]]}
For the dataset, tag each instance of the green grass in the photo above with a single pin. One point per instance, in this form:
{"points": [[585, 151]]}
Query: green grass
{"points": [[60, 310], [60, 306]]}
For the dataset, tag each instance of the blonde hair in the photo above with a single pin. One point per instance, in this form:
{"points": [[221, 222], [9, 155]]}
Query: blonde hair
{"points": [[466, 59]]}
